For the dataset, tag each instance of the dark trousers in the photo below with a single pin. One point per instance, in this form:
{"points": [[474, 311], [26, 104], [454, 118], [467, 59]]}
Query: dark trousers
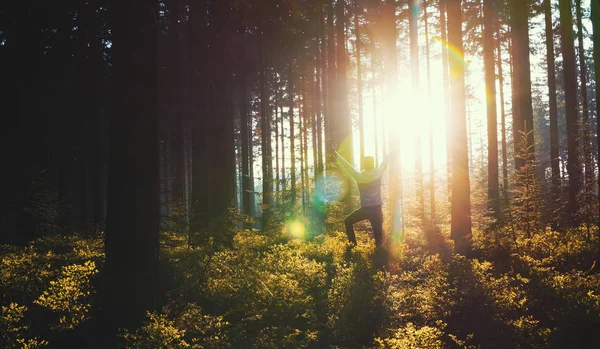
{"points": [[371, 213]]}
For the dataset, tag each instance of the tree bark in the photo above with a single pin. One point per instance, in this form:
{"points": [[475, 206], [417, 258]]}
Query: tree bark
{"points": [[503, 122], [429, 100], [265, 119], [413, 20], [522, 108], [489, 28], [461, 190], [571, 111], [247, 191], [596, 40], [587, 147], [391, 73], [553, 109], [446, 83], [292, 133], [359, 88], [132, 231]]}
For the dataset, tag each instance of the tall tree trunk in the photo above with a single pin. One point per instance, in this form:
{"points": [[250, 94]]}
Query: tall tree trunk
{"points": [[247, 191], [461, 188], [282, 133], [359, 88], [176, 158], [554, 155], [277, 178], [446, 84], [489, 20], [331, 88], [302, 158], [413, 20], [343, 124], [503, 122], [292, 134], [265, 119], [391, 73], [596, 39], [522, 108], [306, 112], [587, 147], [132, 231], [319, 90], [429, 100], [571, 112], [374, 94]]}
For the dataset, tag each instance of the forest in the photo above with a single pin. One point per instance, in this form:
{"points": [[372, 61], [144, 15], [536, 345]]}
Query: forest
{"points": [[189, 174]]}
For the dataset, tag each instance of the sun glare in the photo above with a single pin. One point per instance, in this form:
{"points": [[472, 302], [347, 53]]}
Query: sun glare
{"points": [[407, 117]]}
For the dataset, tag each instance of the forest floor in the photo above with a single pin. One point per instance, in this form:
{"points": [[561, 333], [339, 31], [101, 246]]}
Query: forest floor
{"points": [[270, 291]]}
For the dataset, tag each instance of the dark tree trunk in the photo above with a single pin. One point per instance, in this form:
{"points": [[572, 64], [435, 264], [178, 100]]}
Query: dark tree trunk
{"points": [[359, 87], [522, 107], [132, 232], [489, 20], [388, 12], [176, 158], [596, 38], [276, 123], [429, 100], [343, 122], [331, 88], [553, 109], [446, 83], [571, 111], [282, 133], [413, 18], [461, 193], [265, 119], [292, 133], [503, 122], [246, 142], [319, 109], [585, 121]]}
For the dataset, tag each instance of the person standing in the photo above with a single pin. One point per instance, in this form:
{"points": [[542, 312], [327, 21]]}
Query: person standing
{"points": [[369, 187]]}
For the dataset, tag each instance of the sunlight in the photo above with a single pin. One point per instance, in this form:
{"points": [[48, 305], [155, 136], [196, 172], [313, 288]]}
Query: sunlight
{"points": [[296, 229], [407, 117]]}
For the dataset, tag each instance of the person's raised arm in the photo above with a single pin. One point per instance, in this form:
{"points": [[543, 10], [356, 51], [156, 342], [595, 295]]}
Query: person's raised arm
{"points": [[346, 167]]}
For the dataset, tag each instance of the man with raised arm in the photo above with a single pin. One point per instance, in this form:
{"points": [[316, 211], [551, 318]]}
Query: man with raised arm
{"points": [[369, 186]]}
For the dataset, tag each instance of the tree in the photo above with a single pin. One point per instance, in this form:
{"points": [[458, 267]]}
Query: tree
{"points": [[461, 202], [446, 83], [343, 124], [571, 111], [131, 240], [246, 142], [552, 99], [388, 11], [522, 107], [489, 28], [429, 87], [596, 40], [265, 122], [587, 150], [413, 17], [359, 87]]}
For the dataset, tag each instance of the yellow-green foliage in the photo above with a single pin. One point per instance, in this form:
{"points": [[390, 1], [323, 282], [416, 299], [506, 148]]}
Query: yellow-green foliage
{"points": [[411, 337], [158, 332], [46, 287], [69, 295], [190, 329]]}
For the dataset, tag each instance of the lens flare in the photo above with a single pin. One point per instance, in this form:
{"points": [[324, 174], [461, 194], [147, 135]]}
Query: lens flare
{"points": [[296, 230], [330, 187]]}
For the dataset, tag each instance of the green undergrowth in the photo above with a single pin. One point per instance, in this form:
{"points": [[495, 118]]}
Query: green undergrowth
{"points": [[268, 290]]}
